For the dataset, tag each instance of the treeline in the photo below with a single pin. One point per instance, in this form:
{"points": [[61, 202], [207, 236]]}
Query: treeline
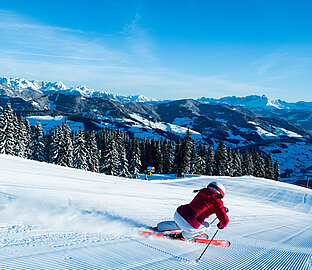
{"points": [[115, 153]]}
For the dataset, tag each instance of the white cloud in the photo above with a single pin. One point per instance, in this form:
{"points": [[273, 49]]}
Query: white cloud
{"points": [[124, 64]]}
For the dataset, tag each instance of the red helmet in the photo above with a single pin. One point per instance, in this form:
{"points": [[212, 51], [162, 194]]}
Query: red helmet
{"points": [[217, 187]]}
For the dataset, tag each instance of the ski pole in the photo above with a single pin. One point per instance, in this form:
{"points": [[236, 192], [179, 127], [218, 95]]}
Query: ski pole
{"points": [[197, 260], [213, 220]]}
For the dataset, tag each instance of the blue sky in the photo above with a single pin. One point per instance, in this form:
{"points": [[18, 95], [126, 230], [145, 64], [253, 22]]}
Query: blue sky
{"points": [[162, 49]]}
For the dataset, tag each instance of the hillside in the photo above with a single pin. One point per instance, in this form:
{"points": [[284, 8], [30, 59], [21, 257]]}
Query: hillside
{"points": [[247, 123], [53, 217]]}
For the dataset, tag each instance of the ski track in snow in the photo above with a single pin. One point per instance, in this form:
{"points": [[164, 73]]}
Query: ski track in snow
{"points": [[60, 218]]}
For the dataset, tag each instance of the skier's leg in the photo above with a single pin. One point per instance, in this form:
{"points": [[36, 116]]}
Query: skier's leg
{"points": [[167, 226], [189, 231]]}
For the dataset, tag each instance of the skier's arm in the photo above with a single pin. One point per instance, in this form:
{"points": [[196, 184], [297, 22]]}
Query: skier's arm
{"points": [[222, 216]]}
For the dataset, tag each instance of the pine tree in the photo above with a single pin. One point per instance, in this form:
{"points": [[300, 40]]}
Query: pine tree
{"points": [[276, 171], [27, 138], [221, 160], [93, 159], [169, 149], [259, 164], [158, 162], [123, 165], [37, 145], [230, 161], [236, 162], [199, 165], [80, 153], [123, 168], [183, 154], [153, 154], [20, 147], [65, 155], [135, 160], [54, 147], [110, 161], [248, 165], [210, 163], [193, 157], [7, 132], [269, 168]]}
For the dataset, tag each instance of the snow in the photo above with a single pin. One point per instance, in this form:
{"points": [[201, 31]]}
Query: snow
{"points": [[82, 90], [49, 122], [221, 120], [238, 140], [181, 121], [143, 127], [264, 133], [285, 132], [275, 131], [294, 157], [54, 217]]}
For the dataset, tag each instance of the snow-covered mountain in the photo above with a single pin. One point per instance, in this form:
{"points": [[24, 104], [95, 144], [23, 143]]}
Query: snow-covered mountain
{"points": [[24, 88], [276, 127], [299, 113], [53, 217]]}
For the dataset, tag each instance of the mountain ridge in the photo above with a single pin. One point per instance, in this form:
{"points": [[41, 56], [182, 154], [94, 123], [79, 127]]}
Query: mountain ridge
{"points": [[210, 120]]}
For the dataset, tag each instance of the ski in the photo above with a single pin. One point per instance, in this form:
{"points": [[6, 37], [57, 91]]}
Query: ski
{"points": [[198, 239]]}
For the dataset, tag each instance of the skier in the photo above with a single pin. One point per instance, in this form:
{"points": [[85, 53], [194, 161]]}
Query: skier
{"points": [[190, 218]]}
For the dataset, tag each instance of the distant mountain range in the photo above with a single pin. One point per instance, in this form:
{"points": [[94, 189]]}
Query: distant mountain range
{"points": [[277, 127], [24, 87]]}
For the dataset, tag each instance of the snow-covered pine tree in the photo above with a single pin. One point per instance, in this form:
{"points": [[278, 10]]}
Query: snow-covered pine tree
{"points": [[27, 138], [110, 160], [7, 132], [146, 153], [54, 146], [123, 164], [203, 152], [135, 160], [269, 167], [230, 161], [169, 149], [177, 159], [193, 157], [259, 164], [65, 155], [276, 171], [47, 145], [210, 163], [2, 133], [20, 147], [221, 160], [80, 153], [236, 162], [199, 165], [248, 165], [159, 156], [93, 160], [153, 153], [37, 145]]}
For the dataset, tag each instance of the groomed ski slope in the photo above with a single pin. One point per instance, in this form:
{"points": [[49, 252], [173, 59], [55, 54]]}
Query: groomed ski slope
{"points": [[53, 217]]}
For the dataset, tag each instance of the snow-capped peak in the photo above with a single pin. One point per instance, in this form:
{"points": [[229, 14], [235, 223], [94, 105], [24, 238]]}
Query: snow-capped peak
{"points": [[251, 101], [59, 87]]}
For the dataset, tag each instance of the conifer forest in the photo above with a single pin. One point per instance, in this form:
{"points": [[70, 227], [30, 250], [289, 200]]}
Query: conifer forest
{"points": [[116, 153]]}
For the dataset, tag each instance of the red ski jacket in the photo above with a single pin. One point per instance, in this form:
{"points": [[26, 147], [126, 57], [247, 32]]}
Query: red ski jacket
{"points": [[204, 204]]}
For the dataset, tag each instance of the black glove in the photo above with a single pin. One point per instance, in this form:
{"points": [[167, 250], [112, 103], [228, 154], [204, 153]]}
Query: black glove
{"points": [[226, 209], [219, 226]]}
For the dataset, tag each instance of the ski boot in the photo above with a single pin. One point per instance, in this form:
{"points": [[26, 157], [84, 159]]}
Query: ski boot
{"points": [[176, 236]]}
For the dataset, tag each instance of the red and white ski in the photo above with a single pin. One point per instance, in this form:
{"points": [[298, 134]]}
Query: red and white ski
{"points": [[198, 239]]}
